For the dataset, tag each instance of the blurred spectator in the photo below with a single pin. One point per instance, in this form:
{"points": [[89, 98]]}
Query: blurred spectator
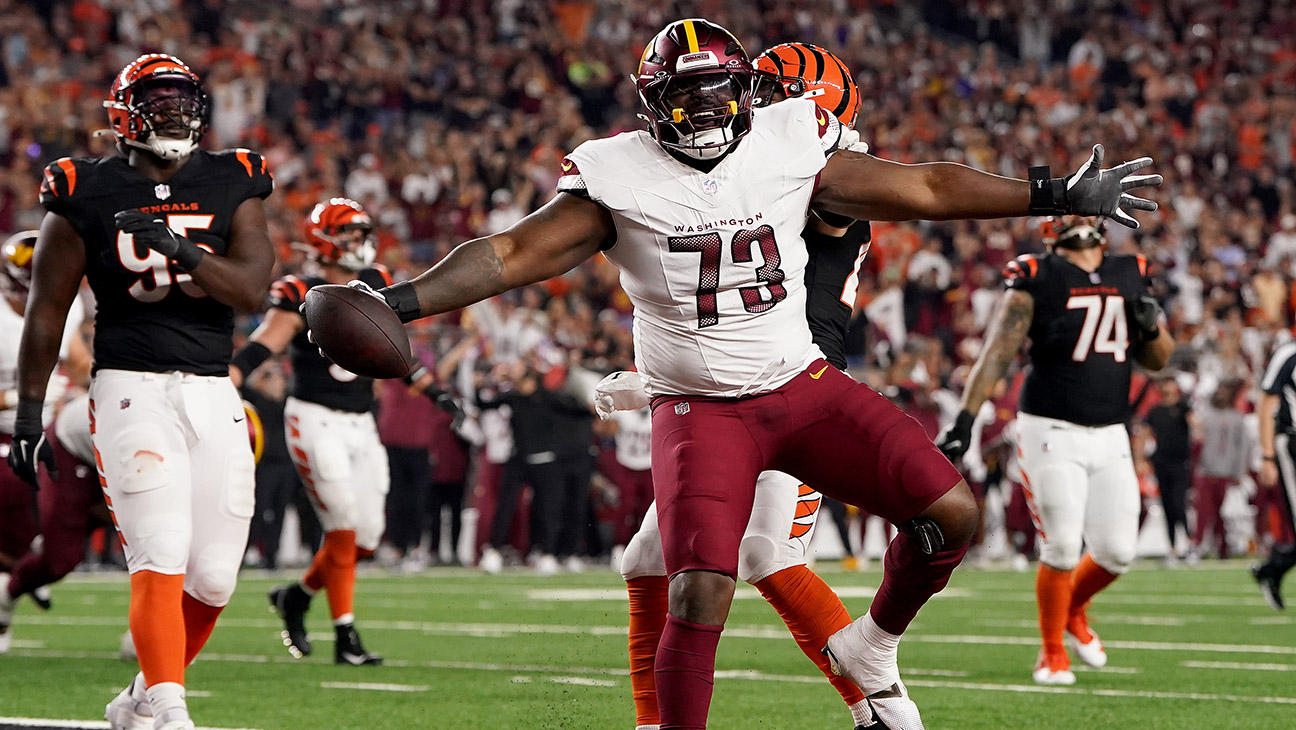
{"points": [[1224, 458], [405, 427], [1169, 422]]}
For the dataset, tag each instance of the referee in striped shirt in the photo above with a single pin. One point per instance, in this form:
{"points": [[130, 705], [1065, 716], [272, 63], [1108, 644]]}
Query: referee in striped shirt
{"points": [[1278, 447]]}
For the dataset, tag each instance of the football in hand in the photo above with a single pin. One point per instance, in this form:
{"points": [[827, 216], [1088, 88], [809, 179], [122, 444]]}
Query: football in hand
{"points": [[357, 331]]}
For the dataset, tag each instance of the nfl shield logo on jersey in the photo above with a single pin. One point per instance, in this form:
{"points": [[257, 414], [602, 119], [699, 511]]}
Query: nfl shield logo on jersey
{"points": [[710, 187], [681, 408], [162, 191]]}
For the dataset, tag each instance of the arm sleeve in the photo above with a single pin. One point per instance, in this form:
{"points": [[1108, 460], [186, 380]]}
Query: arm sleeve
{"points": [[259, 180], [288, 294], [58, 185], [1020, 274]]}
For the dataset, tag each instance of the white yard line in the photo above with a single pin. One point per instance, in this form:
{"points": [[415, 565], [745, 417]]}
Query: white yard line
{"points": [[1244, 666], [376, 686], [498, 630], [7, 722]]}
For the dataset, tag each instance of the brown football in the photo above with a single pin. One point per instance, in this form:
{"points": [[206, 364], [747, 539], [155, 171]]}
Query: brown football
{"points": [[357, 331]]}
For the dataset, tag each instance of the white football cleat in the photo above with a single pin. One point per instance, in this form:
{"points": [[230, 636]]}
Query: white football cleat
{"points": [[1091, 653], [866, 655], [1056, 673], [177, 718], [491, 561], [127, 713]]}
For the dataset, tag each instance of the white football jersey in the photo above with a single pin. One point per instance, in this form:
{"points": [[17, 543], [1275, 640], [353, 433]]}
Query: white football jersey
{"points": [[11, 327], [634, 439], [714, 262]]}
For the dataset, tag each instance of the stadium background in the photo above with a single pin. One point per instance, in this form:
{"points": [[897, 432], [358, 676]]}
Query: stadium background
{"points": [[448, 120]]}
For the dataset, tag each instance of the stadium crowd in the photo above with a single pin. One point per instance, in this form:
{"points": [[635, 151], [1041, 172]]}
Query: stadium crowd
{"points": [[447, 120]]}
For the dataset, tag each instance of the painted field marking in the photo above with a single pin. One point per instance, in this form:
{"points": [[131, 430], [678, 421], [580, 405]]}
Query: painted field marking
{"points": [[1139, 694], [583, 681], [1245, 666], [499, 630], [39, 722], [376, 686]]}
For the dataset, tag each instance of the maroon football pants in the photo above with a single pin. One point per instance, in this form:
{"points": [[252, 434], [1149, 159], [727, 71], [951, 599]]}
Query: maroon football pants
{"points": [[831, 432], [70, 508]]}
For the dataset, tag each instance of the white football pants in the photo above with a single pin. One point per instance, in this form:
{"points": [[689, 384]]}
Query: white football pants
{"points": [[1082, 490], [176, 466]]}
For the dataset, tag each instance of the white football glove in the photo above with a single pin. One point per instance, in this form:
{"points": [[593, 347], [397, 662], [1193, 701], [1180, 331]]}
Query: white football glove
{"points": [[850, 140], [620, 391]]}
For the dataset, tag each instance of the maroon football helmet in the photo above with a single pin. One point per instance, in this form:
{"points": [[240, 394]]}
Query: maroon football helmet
{"points": [[697, 83]]}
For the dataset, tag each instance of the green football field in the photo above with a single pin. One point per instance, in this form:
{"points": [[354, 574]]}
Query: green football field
{"points": [[1189, 649]]}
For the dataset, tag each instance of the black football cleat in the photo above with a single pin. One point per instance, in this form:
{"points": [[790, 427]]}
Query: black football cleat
{"points": [[291, 603], [1270, 585], [42, 598], [348, 649]]}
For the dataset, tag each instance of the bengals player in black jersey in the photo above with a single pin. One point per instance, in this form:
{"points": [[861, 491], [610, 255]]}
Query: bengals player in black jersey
{"points": [[1089, 316], [330, 428], [173, 240]]}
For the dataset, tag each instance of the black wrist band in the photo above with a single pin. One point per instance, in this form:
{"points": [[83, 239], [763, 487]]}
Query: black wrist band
{"points": [[414, 375], [250, 356], [1269, 458], [1048, 195], [29, 415], [403, 300], [188, 256]]}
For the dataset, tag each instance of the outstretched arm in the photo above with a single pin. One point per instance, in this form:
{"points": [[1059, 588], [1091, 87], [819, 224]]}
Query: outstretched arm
{"points": [[545, 244], [864, 187]]}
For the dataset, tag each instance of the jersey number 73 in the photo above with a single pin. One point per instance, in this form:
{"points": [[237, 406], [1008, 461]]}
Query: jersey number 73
{"points": [[768, 273]]}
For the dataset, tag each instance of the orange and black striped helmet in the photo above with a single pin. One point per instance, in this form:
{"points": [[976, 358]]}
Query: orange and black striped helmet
{"points": [[809, 72], [324, 228], [157, 104]]}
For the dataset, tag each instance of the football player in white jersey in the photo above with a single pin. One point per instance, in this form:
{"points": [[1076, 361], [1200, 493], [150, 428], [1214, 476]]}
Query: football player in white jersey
{"points": [[703, 214], [772, 555]]}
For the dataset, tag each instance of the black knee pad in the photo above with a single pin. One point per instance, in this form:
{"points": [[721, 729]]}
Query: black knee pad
{"points": [[926, 533]]}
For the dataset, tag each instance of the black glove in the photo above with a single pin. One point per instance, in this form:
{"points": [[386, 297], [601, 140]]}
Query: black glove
{"points": [[957, 437], [1092, 190], [153, 231], [29, 446], [1146, 314]]}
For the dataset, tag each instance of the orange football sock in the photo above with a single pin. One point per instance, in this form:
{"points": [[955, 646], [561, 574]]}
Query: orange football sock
{"points": [[1053, 593], [157, 626], [1086, 581], [648, 599], [812, 612], [334, 569], [199, 620]]}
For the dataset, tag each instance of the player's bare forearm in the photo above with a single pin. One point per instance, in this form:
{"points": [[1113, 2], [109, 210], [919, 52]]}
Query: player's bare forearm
{"points": [[864, 187], [1267, 409], [242, 276], [1155, 354], [1004, 340], [545, 244], [57, 267]]}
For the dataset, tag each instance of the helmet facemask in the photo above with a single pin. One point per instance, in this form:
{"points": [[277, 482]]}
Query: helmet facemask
{"points": [[701, 114], [167, 115], [356, 246]]}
